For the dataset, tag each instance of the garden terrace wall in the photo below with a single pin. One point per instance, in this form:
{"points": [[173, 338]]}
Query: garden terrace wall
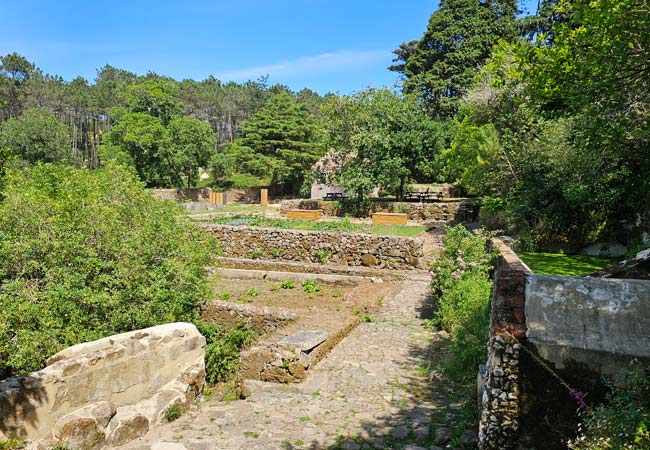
{"points": [[104, 393], [440, 211], [193, 195], [349, 249], [578, 327]]}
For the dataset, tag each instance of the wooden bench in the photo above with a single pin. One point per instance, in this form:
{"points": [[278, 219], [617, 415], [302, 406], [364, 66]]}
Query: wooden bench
{"points": [[389, 218], [304, 214]]}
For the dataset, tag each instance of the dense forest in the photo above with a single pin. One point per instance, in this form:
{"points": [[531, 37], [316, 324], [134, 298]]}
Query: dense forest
{"points": [[543, 117]]}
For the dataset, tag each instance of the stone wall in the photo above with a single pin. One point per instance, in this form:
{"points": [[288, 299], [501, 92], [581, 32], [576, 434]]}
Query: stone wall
{"points": [[500, 403], [547, 328], [187, 195], [104, 393], [440, 211], [349, 249]]}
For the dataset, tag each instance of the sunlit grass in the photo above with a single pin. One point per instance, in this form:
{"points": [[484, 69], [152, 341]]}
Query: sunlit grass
{"points": [[564, 265], [329, 225]]}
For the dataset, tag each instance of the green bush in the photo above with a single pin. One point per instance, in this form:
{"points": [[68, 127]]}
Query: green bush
{"points": [[222, 349], [461, 287], [623, 421], [87, 254]]}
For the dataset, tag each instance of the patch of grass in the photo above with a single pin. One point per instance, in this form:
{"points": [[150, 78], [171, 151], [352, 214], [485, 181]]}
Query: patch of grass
{"points": [[304, 419], [299, 443], [336, 294], [564, 265], [252, 293], [368, 319], [397, 230], [329, 225], [251, 434], [224, 296]]}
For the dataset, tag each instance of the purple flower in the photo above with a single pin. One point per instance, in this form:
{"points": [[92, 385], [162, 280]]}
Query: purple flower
{"points": [[579, 397]]}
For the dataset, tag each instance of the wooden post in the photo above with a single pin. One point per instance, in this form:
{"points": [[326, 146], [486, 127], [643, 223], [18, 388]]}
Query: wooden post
{"points": [[264, 197], [216, 198]]}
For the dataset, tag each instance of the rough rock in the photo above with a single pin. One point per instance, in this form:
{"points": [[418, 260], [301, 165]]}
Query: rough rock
{"points": [[304, 340], [168, 446], [368, 260], [469, 438], [443, 435], [80, 433], [128, 424]]}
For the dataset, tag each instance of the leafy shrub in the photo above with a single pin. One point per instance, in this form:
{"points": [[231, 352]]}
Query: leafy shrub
{"points": [[87, 254], [462, 288], [222, 349], [288, 284], [623, 422], [310, 287]]}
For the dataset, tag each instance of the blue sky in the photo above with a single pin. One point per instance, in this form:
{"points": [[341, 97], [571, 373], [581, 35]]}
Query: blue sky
{"points": [[326, 45]]}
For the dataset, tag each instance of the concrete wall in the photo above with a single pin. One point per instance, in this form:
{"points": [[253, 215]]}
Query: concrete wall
{"points": [[106, 392], [350, 249], [569, 318], [440, 211]]}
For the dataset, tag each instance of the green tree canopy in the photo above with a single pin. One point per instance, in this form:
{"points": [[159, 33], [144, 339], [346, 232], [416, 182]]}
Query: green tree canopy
{"points": [[37, 135], [157, 97], [380, 138], [192, 145], [459, 37], [146, 142], [281, 142]]}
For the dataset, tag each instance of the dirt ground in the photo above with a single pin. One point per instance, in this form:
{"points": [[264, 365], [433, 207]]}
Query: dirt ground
{"points": [[330, 306]]}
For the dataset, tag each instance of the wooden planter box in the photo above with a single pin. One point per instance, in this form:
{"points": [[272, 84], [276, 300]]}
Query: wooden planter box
{"points": [[304, 214], [389, 218]]}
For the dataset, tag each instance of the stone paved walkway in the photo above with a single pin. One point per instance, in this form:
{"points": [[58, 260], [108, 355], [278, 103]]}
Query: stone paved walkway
{"points": [[367, 393]]}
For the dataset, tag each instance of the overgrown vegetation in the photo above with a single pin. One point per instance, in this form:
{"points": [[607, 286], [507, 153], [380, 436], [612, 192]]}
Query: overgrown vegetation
{"points": [[222, 349], [623, 421], [87, 254], [461, 289]]}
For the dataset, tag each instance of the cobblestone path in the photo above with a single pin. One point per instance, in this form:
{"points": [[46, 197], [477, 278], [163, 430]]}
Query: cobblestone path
{"points": [[369, 392]]}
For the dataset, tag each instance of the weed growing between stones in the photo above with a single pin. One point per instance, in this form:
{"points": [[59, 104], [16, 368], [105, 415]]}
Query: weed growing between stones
{"points": [[172, 412]]}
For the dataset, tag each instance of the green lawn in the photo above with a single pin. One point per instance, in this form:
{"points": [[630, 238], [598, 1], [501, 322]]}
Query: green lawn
{"points": [[564, 265], [330, 225]]}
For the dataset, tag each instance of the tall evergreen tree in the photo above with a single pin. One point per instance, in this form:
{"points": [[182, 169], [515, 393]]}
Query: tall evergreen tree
{"points": [[280, 142], [458, 40]]}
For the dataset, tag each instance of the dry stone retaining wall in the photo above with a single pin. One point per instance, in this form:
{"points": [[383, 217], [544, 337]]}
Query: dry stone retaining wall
{"points": [[104, 393], [441, 211], [350, 249], [193, 195]]}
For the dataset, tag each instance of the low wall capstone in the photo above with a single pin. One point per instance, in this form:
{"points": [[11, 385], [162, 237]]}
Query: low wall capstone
{"points": [[104, 393], [349, 249]]}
